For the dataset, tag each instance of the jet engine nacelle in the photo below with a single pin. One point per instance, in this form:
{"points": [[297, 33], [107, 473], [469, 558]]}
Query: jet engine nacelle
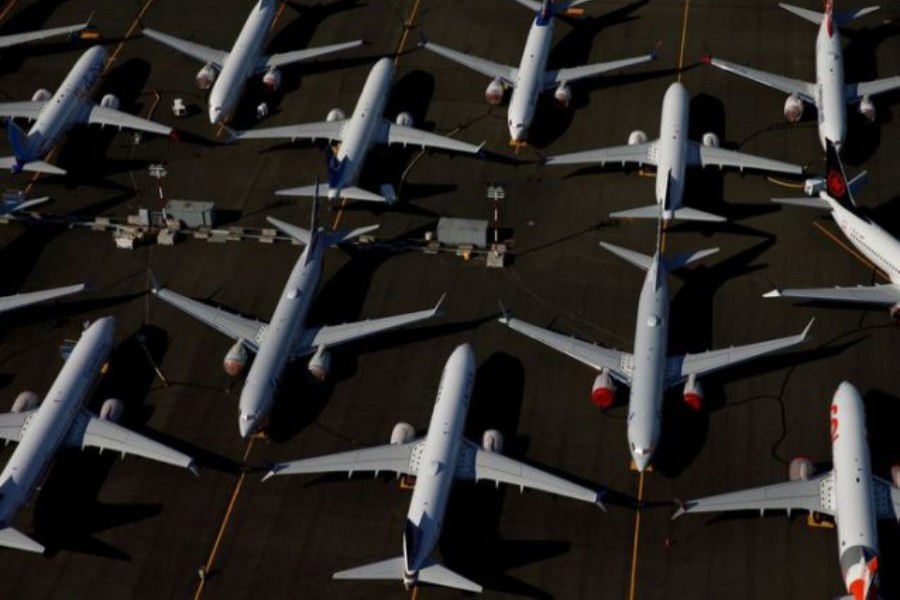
{"points": [[492, 441], [320, 364], [112, 410], [603, 394], [402, 433], [563, 96], [793, 108], [335, 114], [494, 92], [895, 476], [109, 101], [710, 139], [404, 119], [693, 393], [41, 95], [895, 312], [272, 79], [206, 76], [801, 469], [867, 109], [637, 137], [236, 360], [25, 401]]}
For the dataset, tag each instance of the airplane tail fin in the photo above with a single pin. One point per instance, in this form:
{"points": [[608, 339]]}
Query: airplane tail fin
{"points": [[13, 538], [393, 568], [35, 166], [836, 185]]}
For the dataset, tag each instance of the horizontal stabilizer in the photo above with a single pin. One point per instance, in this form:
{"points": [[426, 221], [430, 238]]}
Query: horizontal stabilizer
{"points": [[391, 568], [804, 201], [804, 13], [34, 166], [436, 574], [642, 261], [644, 212], [350, 193], [692, 214], [652, 212], [298, 233], [680, 260], [13, 538], [345, 235], [841, 18]]}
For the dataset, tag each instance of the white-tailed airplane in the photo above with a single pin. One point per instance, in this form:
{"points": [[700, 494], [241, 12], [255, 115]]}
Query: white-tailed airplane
{"points": [[849, 493], [226, 73], [55, 114], [531, 78], [15, 39], [671, 154], [287, 336], [354, 137], [62, 421], [873, 242], [436, 461], [648, 371], [829, 94]]}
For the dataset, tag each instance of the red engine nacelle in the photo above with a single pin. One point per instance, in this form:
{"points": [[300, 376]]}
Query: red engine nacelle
{"points": [[112, 410], [793, 108], [563, 96], [236, 360], [25, 401], [320, 364], [206, 76], [402, 433], [801, 469], [603, 394], [494, 92], [693, 393], [492, 441], [867, 109], [272, 79]]}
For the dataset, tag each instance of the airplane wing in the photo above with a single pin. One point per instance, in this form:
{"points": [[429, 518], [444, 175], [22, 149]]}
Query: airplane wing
{"points": [[704, 156], [11, 425], [617, 362], [494, 70], [324, 130], [202, 53], [790, 495], [332, 335], [554, 78], [101, 115], [234, 326], [391, 133], [33, 36], [855, 91], [20, 300], [805, 90], [286, 58], [887, 293], [641, 154], [24, 110], [478, 464], [395, 458], [680, 367], [106, 435]]}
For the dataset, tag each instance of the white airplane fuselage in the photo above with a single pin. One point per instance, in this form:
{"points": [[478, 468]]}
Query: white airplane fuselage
{"points": [[672, 149], [876, 244], [241, 62], [437, 466], [649, 371], [46, 429], [361, 129], [65, 107], [280, 339], [830, 100], [855, 516], [530, 78]]}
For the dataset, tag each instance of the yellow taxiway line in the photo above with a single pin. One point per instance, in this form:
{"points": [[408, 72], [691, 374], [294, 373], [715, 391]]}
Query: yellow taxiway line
{"points": [[852, 251], [684, 24], [632, 588], [7, 8]]}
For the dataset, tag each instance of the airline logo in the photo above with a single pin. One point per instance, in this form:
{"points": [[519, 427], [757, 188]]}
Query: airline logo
{"points": [[834, 423], [829, 21]]}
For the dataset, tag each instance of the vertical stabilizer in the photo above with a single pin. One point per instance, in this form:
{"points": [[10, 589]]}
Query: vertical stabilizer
{"points": [[836, 185]]}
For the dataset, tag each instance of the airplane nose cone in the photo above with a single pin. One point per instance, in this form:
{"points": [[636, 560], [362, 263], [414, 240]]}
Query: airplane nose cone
{"points": [[215, 114], [642, 458], [246, 425]]}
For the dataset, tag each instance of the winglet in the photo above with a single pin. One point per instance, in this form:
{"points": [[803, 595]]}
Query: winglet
{"points": [[599, 500], [774, 293], [505, 315], [423, 41], [232, 135], [654, 54], [437, 307], [706, 59], [681, 509], [155, 286], [805, 334]]}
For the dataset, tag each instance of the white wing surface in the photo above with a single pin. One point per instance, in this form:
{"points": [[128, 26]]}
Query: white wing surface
{"points": [[705, 156], [324, 130], [11, 425], [554, 78], [791, 495], [395, 458], [101, 115], [106, 435], [199, 52], [785, 84], [33, 36], [887, 293], [22, 110], [234, 326], [855, 91], [27, 299], [286, 58], [641, 154], [494, 70], [391, 133]]}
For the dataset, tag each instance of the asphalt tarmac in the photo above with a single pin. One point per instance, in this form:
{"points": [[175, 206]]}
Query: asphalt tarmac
{"points": [[135, 529]]}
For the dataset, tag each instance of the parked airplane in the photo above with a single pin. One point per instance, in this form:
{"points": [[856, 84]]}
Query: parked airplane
{"points": [[436, 460], [55, 114], [849, 493], [224, 74], [648, 371], [829, 94], [873, 242], [15, 39], [532, 77], [61, 421], [354, 137], [287, 336], [671, 154]]}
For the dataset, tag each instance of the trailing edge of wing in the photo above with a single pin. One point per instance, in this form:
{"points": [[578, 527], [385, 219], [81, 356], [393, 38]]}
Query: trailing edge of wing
{"points": [[785, 84], [101, 115], [106, 435], [641, 154], [323, 130], [494, 70], [234, 326], [286, 58], [887, 293], [395, 458], [27, 299], [199, 52]]}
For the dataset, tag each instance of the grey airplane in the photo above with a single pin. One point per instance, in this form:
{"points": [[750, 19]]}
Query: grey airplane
{"points": [[648, 371], [287, 336]]}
